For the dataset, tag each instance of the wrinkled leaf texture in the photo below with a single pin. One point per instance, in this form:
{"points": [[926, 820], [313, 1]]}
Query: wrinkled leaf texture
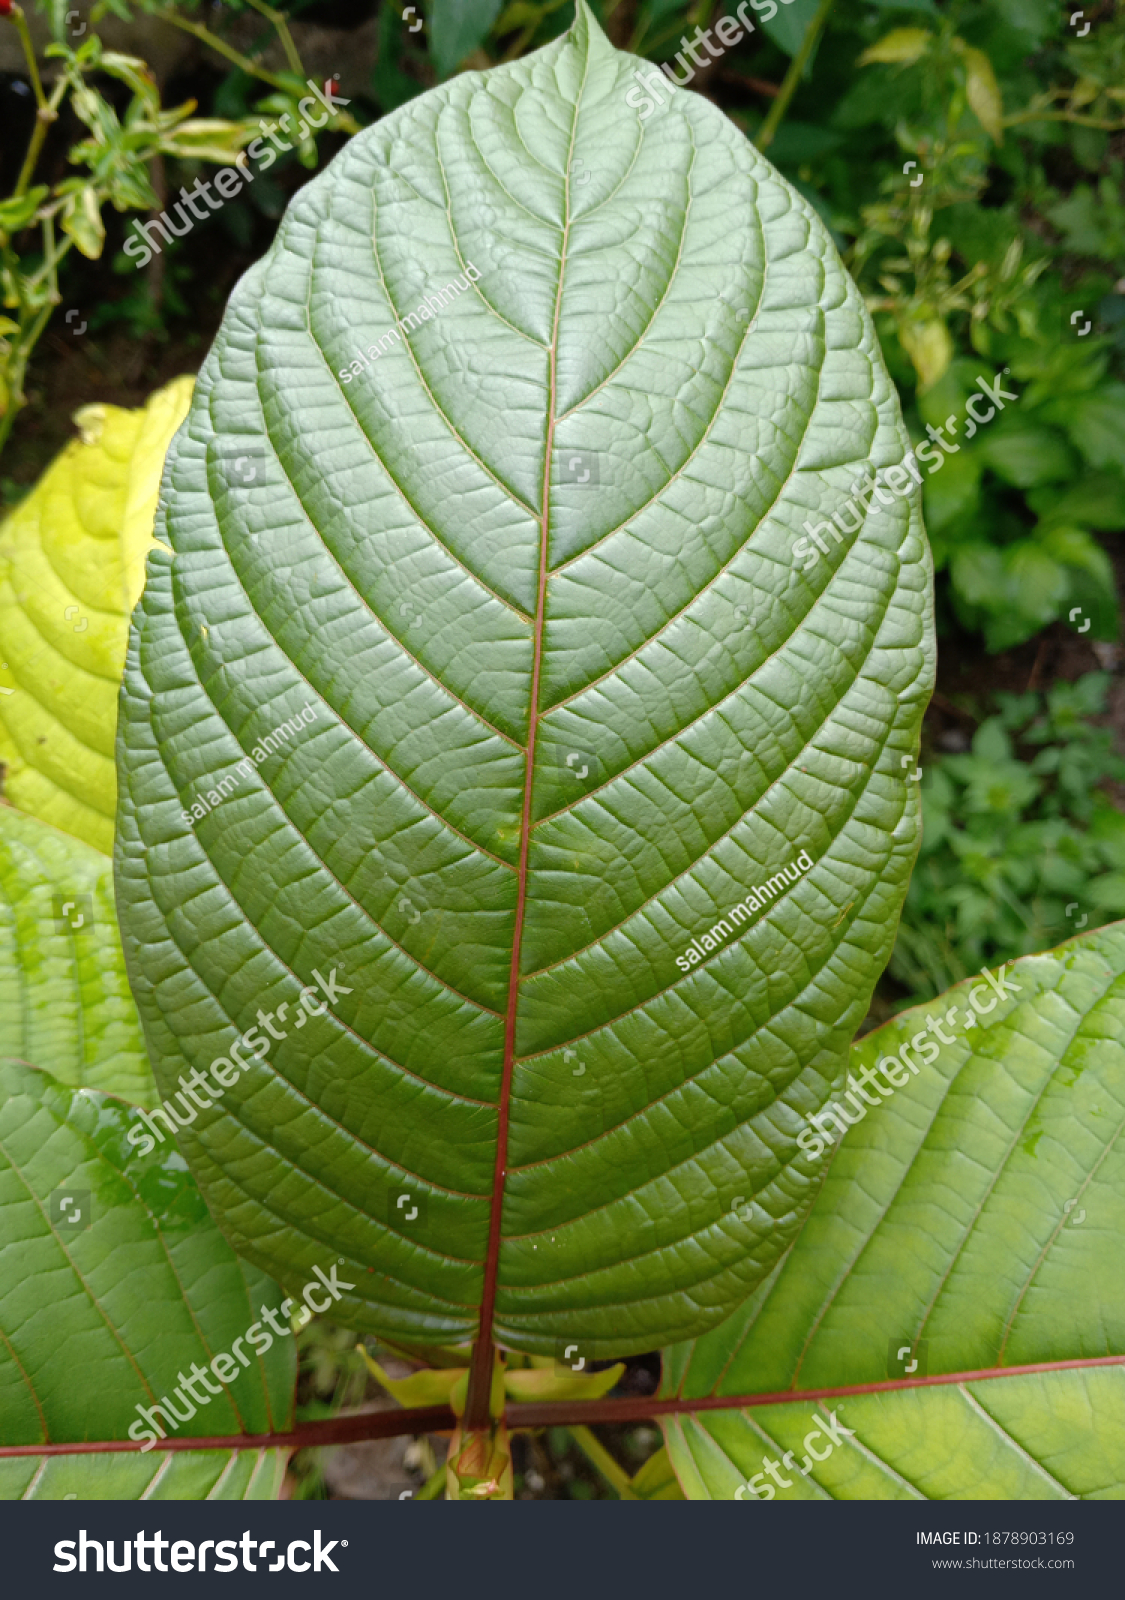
{"points": [[974, 1218], [533, 571]]}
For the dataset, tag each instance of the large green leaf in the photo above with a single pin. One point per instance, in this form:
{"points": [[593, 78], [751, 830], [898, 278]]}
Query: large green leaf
{"points": [[64, 998], [71, 568], [569, 696], [972, 1221], [113, 1280]]}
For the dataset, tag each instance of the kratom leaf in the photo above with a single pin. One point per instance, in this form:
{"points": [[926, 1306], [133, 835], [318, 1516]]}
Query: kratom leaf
{"points": [[114, 1280], [64, 998], [426, 1388], [971, 1223], [71, 570], [553, 1384], [529, 578]]}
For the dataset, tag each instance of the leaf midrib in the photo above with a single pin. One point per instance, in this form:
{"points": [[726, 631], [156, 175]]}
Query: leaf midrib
{"points": [[480, 1381]]}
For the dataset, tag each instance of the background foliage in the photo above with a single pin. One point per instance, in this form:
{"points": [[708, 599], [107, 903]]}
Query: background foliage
{"points": [[1009, 253]]}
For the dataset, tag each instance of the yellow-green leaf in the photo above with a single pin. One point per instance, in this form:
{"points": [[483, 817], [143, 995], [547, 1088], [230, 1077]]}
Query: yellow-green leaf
{"points": [[133, 71], [656, 1480], [548, 1383], [901, 46], [984, 93], [82, 220], [927, 343], [209, 139], [429, 1387], [72, 561]]}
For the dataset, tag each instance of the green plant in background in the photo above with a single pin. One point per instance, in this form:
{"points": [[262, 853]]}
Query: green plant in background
{"points": [[1014, 512], [114, 167], [332, 1376], [1019, 841]]}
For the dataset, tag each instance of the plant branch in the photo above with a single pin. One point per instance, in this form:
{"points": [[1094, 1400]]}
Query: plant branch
{"points": [[434, 1486], [758, 85], [282, 26], [1063, 116], [29, 54], [198, 31], [791, 79], [44, 117], [31, 332], [599, 1458], [53, 253], [544, 1413]]}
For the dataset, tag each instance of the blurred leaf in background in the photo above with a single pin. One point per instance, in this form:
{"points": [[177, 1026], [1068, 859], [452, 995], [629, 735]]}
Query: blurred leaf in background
{"points": [[457, 28], [72, 561]]}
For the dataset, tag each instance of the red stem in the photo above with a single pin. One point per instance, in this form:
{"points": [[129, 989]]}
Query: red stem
{"points": [[544, 1413], [478, 1401]]}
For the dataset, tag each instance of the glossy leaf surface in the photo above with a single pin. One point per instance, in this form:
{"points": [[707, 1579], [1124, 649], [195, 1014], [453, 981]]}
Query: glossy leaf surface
{"points": [[972, 1220]]}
